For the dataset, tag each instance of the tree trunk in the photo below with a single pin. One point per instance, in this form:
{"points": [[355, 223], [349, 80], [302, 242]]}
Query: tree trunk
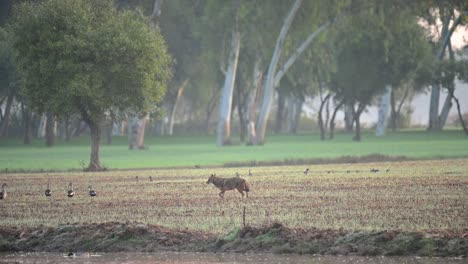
{"points": [[297, 114], [445, 111], [460, 115], [67, 129], [357, 137], [6, 117], [136, 132], [49, 130], [224, 121], [397, 110], [94, 162], [27, 131], [382, 122], [357, 117], [109, 128], [348, 118], [156, 11], [291, 106], [269, 82], [332, 120], [240, 113], [41, 130], [448, 100], [279, 113], [252, 105], [320, 118], [180, 91], [434, 121]]}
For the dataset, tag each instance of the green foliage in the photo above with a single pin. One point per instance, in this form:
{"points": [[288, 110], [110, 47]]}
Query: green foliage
{"points": [[384, 45], [87, 57]]}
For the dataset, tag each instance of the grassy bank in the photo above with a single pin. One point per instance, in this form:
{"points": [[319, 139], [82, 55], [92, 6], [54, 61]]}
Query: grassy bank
{"points": [[274, 238], [201, 150]]}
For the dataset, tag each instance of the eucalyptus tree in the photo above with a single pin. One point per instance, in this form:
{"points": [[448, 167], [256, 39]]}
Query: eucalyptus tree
{"points": [[452, 14], [318, 15], [406, 49], [87, 57], [360, 62]]}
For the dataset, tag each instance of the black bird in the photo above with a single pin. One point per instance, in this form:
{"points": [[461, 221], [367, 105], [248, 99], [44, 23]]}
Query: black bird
{"points": [[151, 178], [70, 192], [374, 170], [92, 193], [306, 171], [3, 193], [48, 192]]}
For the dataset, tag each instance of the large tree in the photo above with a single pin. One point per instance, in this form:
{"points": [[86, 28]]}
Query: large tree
{"points": [[87, 57]]}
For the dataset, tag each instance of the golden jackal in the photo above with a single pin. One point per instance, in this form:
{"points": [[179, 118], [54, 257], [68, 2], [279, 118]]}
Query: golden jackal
{"points": [[227, 184]]}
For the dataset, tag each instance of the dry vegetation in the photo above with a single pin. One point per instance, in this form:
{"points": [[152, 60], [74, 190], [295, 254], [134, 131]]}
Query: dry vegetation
{"points": [[411, 196]]}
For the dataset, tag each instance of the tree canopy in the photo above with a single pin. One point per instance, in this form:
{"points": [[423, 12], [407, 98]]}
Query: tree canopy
{"points": [[87, 57]]}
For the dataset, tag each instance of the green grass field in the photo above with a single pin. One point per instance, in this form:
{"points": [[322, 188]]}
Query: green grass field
{"points": [[201, 150]]}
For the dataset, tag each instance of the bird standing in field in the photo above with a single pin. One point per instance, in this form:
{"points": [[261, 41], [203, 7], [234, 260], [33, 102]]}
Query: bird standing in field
{"points": [[250, 173], [48, 192], [306, 171], [92, 193], [70, 192], [3, 193], [374, 170]]}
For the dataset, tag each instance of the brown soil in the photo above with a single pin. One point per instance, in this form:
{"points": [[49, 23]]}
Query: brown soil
{"points": [[112, 237]]}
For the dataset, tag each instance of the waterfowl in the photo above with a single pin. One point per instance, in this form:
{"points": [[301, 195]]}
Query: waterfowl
{"points": [[306, 171], [374, 170], [151, 178], [250, 173], [48, 192], [92, 193], [3, 193], [70, 192]]}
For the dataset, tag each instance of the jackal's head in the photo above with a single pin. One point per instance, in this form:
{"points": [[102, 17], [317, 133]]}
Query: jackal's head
{"points": [[211, 178]]}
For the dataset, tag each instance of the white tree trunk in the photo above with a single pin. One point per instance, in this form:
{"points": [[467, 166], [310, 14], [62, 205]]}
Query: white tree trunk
{"points": [[282, 71], [42, 126], [180, 91], [136, 132], [224, 121], [383, 111], [269, 82], [252, 106]]}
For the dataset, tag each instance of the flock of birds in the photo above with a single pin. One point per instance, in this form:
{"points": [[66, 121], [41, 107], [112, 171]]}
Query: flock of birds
{"points": [[92, 192], [373, 170], [48, 191]]}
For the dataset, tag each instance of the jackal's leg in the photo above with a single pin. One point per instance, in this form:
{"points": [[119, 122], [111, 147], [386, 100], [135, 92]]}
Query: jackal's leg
{"points": [[241, 191], [221, 194]]}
